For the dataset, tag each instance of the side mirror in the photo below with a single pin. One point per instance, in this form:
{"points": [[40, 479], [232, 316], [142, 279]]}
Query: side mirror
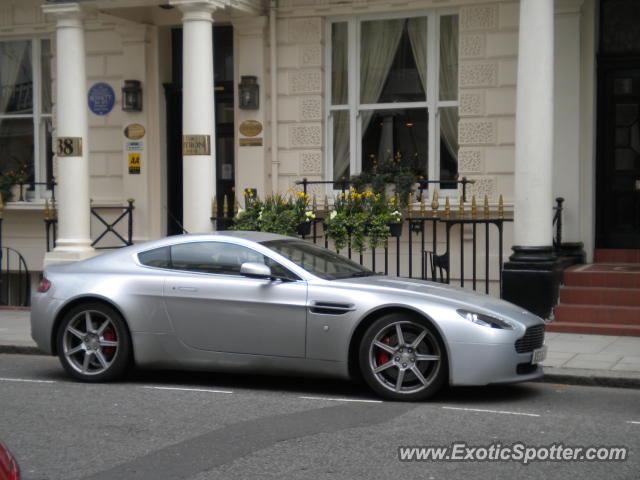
{"points": [[255, 270]]}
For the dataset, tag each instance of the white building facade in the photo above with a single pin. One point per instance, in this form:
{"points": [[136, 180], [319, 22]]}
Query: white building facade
{"points": [[503, 92]]}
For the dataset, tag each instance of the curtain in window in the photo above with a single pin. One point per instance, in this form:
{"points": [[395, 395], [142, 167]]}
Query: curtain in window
{"points": [[340, 95], [417, 29], [449, 81], [45, 81], [379, 42], [12, 57]]}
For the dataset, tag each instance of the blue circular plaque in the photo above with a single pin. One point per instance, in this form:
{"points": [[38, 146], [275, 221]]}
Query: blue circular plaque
{"points": [[101, 98]]}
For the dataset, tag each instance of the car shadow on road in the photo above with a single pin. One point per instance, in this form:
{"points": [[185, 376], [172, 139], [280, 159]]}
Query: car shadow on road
{"points": [[325, 387]]}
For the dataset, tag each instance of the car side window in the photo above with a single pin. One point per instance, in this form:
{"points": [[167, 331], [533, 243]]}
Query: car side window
{"points": [[158, 257], [220, 258]]}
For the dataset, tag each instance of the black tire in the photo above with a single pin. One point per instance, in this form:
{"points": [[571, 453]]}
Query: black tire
{"points": [[414, 368], [100, 353]]}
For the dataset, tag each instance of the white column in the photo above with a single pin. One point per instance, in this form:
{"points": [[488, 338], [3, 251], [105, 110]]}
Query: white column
{"points": [[534, 126], [198, 114], [72, 191]]}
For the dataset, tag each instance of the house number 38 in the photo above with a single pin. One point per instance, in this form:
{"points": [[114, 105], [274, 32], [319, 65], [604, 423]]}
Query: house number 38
{"points": [[69, 147]]}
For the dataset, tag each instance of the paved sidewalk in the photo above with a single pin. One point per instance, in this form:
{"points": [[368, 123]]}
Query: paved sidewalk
{"points": [[572, 358]]}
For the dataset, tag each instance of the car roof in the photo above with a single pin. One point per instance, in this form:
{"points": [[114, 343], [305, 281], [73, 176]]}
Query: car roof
{"points": [[124, 254]]}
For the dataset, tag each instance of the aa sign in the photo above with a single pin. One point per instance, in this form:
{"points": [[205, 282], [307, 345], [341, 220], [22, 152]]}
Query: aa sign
{"points": [[134, 163]]}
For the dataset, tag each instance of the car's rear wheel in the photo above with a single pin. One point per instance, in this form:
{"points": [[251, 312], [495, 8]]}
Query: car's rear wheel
{"points": [[402, 358], [93, 343]]}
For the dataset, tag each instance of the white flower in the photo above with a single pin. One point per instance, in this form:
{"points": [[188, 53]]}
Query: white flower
{"points": [[310, 215], [333, 215]]}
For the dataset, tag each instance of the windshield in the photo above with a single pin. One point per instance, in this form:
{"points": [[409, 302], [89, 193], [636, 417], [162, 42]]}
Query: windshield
{"points": [[317, 260]]}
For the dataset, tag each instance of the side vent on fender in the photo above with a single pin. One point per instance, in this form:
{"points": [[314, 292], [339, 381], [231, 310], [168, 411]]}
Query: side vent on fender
{"points": [[330, 308]]}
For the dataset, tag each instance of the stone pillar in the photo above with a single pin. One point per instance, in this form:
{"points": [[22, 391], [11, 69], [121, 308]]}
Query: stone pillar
{"points": [[531, 277], [71, 132], [198, 114]]}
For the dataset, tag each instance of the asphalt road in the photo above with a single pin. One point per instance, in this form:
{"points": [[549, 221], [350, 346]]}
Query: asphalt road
{"points": [[172, 425]]}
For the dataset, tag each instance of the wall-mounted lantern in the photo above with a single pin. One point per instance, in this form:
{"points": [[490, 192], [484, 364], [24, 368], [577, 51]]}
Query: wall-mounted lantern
{"points": [[132, 96], [249, 93]]}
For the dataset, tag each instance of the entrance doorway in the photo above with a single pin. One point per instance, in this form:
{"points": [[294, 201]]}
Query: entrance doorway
{"points": [[618, 137], [224, 97]]}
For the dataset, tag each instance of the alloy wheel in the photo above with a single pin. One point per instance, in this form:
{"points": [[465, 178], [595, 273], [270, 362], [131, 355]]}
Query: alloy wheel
{"points": [[90, 342], [405, 357]]}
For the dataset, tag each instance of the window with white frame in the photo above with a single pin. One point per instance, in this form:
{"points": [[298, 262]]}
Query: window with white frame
{"points": [[25, 113], [393, 94]]}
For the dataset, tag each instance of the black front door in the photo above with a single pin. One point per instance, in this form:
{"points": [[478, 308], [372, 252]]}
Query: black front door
{"points": [[618, 162], [224, 152]]}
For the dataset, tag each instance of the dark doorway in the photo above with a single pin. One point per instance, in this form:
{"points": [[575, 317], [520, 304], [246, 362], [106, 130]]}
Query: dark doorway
{"points": [[618, 137], [223, 79], [618, 193]]}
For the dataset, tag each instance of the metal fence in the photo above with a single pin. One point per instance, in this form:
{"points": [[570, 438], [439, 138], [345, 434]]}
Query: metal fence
{"points": [[431, 243], [109, 217]]}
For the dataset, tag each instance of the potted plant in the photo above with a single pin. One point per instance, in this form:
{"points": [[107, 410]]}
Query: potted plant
{"points": [[347, 223], [304, 216], [275, 214], [398, 170], [12, 181], [394, 217], [248, 218]]}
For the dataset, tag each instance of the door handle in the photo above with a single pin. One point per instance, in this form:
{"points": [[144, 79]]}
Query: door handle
{"points": [[186, 289]]}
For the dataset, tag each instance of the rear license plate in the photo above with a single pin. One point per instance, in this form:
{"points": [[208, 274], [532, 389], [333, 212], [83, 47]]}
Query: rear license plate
{"points": [[539, 354]]}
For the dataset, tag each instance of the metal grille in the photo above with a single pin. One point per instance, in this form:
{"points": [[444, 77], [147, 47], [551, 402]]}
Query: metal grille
{"points": [[533, 338]]}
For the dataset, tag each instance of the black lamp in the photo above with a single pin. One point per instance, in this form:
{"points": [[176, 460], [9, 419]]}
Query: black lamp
{"points": [[132, 96], [249, 92]]}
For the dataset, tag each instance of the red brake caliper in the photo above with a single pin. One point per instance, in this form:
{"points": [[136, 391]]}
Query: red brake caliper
{"points": [[383, 355], [110, 335]]}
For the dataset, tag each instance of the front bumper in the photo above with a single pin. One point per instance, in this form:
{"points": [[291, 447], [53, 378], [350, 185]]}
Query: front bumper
{"points": [[482, 364]]}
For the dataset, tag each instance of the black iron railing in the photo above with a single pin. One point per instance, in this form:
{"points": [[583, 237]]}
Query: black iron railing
{"points": [[344, 183], [24, 187], [557, 223], [436, 237], [124, 212], [15, 281]]}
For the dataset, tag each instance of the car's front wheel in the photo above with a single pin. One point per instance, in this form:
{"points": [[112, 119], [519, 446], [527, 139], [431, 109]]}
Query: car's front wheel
{"points": [[402, 358], [93, 343]]}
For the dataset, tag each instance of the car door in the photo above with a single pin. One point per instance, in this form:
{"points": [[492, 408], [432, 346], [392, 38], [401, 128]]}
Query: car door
{"points": [[213, 307]]}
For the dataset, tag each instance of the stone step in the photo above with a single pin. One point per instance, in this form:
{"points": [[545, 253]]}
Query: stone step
{"points": [[594, 328], [608, 275], [600, 296], [616, 256], [598, 314]]}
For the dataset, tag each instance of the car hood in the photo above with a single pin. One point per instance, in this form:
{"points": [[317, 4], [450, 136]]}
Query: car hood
{"points": [[439, 292]]}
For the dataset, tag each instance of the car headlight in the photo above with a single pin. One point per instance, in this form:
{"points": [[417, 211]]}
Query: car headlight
{"points": [[485, 320]]}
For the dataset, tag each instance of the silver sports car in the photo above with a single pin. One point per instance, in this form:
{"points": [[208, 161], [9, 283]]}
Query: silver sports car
{"points": [[248, 301]]}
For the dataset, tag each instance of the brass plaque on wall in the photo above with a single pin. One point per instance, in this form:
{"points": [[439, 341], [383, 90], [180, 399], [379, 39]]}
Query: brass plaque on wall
{"points": [[196, 145], [250, 128], [134, 131], [69, 147], [251, 142]]}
